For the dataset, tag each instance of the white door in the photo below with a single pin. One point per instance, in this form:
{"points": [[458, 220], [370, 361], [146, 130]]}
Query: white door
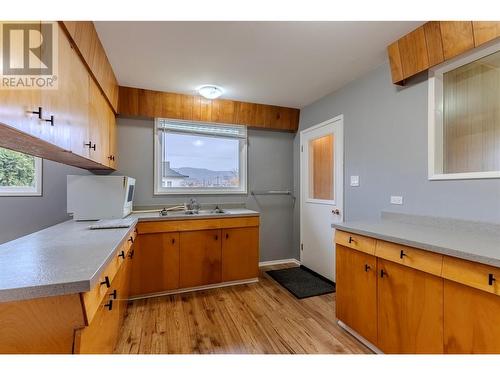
{"points": [[321, 181]]}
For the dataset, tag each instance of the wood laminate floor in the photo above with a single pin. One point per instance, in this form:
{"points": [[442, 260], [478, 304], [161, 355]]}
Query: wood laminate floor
{"points": [[256, 318]]}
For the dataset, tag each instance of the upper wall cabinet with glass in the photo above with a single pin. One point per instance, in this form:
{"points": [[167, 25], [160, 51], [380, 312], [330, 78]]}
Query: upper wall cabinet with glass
{"points": [[464, 116]]}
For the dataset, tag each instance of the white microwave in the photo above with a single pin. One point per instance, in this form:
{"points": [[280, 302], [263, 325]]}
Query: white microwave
{"points": [[100, 197]]}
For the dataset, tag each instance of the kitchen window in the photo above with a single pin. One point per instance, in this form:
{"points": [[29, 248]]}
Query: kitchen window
{"points": [[464, 116], [199, 158], [20, 174]]}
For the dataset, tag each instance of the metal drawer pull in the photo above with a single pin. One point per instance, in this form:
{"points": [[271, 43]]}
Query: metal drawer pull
{"points": [[106, 282], [491, 279], [227, 236], [383, 273], [173, 241], [367, 268], [39, 113], [402, 254], [51, 120], [113, 294], [131, 254], [122, 254], [351, 240], [131, 239], [109, 305]]}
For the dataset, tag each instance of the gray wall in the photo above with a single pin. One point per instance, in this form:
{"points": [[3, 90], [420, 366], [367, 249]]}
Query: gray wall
{"points": [[270, 158], [23, 215], [385, 135]]}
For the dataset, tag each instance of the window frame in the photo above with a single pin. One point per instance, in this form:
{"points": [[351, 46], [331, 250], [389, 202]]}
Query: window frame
{"points": [[162, 191], [24, 191], [435, 115]]}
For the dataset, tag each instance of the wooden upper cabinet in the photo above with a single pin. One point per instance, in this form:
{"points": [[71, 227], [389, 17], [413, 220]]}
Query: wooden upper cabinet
{"points": [[410, 310], [98, 126], [69, 103], [457, 37], [413, 51], [395, 62], [16, 106], [356, 296], [484, 31], [86, 39], [433, 41]]}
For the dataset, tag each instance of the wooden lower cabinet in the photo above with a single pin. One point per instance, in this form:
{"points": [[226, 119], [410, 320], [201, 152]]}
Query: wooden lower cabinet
{"points": [[240, 253], [356, 297], [156, 263], [410, 310], [471, 320], [200, 258]]}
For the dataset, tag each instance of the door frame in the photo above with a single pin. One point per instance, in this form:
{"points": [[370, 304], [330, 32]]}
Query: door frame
{"points": [[301, 174]]}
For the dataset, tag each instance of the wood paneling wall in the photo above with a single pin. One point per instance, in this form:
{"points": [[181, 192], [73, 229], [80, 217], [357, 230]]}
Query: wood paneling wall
{"points": [[435, 42], [88, 44], [134, 102]]}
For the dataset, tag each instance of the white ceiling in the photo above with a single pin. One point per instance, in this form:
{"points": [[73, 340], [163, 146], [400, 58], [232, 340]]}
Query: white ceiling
{"points": [[282, 63]]}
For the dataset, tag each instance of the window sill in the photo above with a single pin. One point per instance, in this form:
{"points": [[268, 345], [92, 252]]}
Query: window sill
{"points": [[464, 176]]}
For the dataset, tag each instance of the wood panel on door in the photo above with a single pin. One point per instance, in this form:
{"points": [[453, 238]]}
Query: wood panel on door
{"points": [[410, 310], [17, 105], [471, 320], [155, 263], [356, 296], [200, 258], [240, 253]]}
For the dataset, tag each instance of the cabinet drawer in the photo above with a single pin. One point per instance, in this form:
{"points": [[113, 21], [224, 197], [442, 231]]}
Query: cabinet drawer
{"points": [[355, 241], [475, 275], [414, 258], [92, 299]]}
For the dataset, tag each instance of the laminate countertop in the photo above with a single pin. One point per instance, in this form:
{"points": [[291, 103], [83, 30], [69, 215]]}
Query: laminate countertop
{"points": [[69, 257], [473, 241]]}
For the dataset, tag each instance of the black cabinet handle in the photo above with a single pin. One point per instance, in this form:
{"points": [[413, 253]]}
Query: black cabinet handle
{"points": [[109, 305], [93, 146], [173, 241], [227, 236], [89, 145], [351, 239], [39, 113], [106, 282], [216, 237], [122, 254], [491, 279], [383, 273], [131, 254], [51, 120], [111, 157], [131, 239], [113, 294], [367, 268], [402, 254]]}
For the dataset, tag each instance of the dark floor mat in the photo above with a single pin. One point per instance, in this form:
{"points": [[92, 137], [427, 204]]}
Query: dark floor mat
{"points": [[302, 282]]}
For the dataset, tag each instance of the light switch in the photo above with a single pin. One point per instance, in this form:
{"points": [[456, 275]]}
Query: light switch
{"points": [[396, 199], [354, 180]]}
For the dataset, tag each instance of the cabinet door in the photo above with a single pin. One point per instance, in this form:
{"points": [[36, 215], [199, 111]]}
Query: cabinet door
{"points": [[410, 310], [200, 258], [356, 291], [240, 253], [112, 157], [155, 263], [16, 105], [471, 320], [101, 335], [69, 102], [98, 125]]}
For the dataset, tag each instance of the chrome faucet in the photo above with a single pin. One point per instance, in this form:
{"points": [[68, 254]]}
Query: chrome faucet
{"points": [[193, 205]]}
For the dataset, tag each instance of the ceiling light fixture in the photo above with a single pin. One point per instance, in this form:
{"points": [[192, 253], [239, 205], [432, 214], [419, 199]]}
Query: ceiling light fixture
{"points": [[210, 91]]}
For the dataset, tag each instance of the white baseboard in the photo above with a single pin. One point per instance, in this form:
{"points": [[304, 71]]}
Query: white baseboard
{"points": [[279, 261], [194, 289], [360, 338]]}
